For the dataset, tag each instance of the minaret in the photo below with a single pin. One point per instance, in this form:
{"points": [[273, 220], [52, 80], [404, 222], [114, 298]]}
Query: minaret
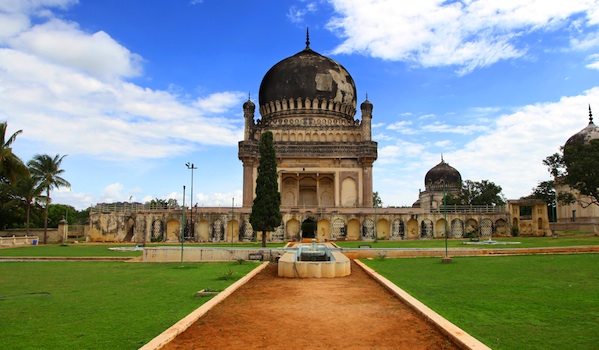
{"points": [[248, 114], [366, 108]]}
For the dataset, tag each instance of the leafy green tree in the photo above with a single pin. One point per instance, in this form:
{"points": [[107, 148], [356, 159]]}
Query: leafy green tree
{"points": [[484, 192], [376, 200], [172, 203], [11, 166], [26, 192], [47, 171], [82, 216], [10, 210], [266, 210], [545, 191], [57, 212], [581, 161], [157, 203]]}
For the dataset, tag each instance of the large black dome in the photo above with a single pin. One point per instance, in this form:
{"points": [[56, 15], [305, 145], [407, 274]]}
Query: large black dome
{"points": [[309, 75], [440, 174]]}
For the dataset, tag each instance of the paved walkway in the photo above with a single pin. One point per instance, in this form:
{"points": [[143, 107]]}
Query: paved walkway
{"points": [[353, 312]]}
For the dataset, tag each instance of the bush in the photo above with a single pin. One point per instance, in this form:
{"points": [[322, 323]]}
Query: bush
{"points": [[515, 231]]}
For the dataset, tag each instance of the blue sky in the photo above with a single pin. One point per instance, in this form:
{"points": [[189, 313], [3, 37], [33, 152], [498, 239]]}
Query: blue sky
{"points": [[132, 90]]}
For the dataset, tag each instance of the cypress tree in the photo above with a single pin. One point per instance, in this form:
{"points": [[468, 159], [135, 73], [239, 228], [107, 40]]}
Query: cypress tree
{"points": [[266, 210]]}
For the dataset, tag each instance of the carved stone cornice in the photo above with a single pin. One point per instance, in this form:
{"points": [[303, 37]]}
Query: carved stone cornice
{"points": [[361, 150]]}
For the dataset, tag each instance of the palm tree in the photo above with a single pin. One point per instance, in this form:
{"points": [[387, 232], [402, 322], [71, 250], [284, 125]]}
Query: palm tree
{"points": [[26, 191], [46, 170], [30, 191], [11, 166]]}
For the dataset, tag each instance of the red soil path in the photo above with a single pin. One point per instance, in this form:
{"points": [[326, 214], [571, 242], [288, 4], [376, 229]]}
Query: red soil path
{"points": [[352, 312]]}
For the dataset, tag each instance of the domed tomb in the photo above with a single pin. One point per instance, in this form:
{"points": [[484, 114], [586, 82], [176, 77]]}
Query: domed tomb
{"points": [[307, 81], [324, 155], [590, 132], [442, 173]]}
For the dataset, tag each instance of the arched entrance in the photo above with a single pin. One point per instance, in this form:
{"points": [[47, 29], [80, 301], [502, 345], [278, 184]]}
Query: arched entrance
{"points": [[309, 228]]}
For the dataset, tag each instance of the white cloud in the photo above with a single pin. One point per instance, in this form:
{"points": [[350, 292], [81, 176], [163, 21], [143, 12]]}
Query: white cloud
{"points": [[402, 127], [467, 35], [64, 44], [509, 152], [297, 14], [220, 102], [65, 87], [394, 153], [112, 193], [456, 129], [28, 6], [595, 61]]}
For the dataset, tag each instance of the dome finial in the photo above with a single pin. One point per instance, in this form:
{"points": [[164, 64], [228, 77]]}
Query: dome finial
{"points": [[442, 161], [590, 115], [307, 38]]}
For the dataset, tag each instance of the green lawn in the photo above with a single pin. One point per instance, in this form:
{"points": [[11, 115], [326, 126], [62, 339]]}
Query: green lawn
{"points": [[509, 302], [101, 305], [101, 250], [525, 242]]}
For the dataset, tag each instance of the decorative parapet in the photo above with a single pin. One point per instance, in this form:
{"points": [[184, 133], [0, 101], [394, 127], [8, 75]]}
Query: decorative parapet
{"points": [[307, 150], [470, 209], [277, 108]]}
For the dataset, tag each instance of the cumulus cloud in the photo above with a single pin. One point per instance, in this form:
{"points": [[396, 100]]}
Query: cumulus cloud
{"points": [[67, 88], [220, 102], [62, 43], [594, 61], [297, 14], [463, 34], [456, 129], [29, 6], [508, 152]]}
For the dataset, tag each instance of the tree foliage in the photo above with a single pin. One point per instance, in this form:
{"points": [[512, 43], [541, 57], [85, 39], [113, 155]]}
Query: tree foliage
{"points": [[484, 192], [577, 165], [545, 191], [47, 171], [11, 166], [159, 203], [266, 210], [377, 202]]}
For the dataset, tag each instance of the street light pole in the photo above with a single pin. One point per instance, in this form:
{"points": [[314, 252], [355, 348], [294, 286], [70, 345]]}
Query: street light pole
{"points": [[232, 219], [191, 167], [183, 226]]}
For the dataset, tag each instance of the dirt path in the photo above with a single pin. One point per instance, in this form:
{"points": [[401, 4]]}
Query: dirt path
{"points": [[270, 312]]}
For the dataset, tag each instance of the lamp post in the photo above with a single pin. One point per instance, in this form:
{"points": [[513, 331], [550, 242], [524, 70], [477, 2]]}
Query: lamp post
{"points": [[191, 167], [183, 226], [232, 219]]}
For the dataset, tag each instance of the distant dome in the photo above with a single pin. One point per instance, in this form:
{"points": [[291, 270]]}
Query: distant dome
{"points": [[440, 173], [311, 76], [590, 132]]}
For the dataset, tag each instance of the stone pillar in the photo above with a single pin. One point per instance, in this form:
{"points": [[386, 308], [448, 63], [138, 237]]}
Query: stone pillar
{"points": [[248, 183], [63, 230], [367, 183], [337, 189]]}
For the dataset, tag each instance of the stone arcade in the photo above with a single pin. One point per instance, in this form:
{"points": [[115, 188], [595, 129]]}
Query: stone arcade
{"points": [[324, 159]]}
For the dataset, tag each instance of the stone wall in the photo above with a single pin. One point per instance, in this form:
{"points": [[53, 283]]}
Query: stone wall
{"points": [[232, 225]]}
